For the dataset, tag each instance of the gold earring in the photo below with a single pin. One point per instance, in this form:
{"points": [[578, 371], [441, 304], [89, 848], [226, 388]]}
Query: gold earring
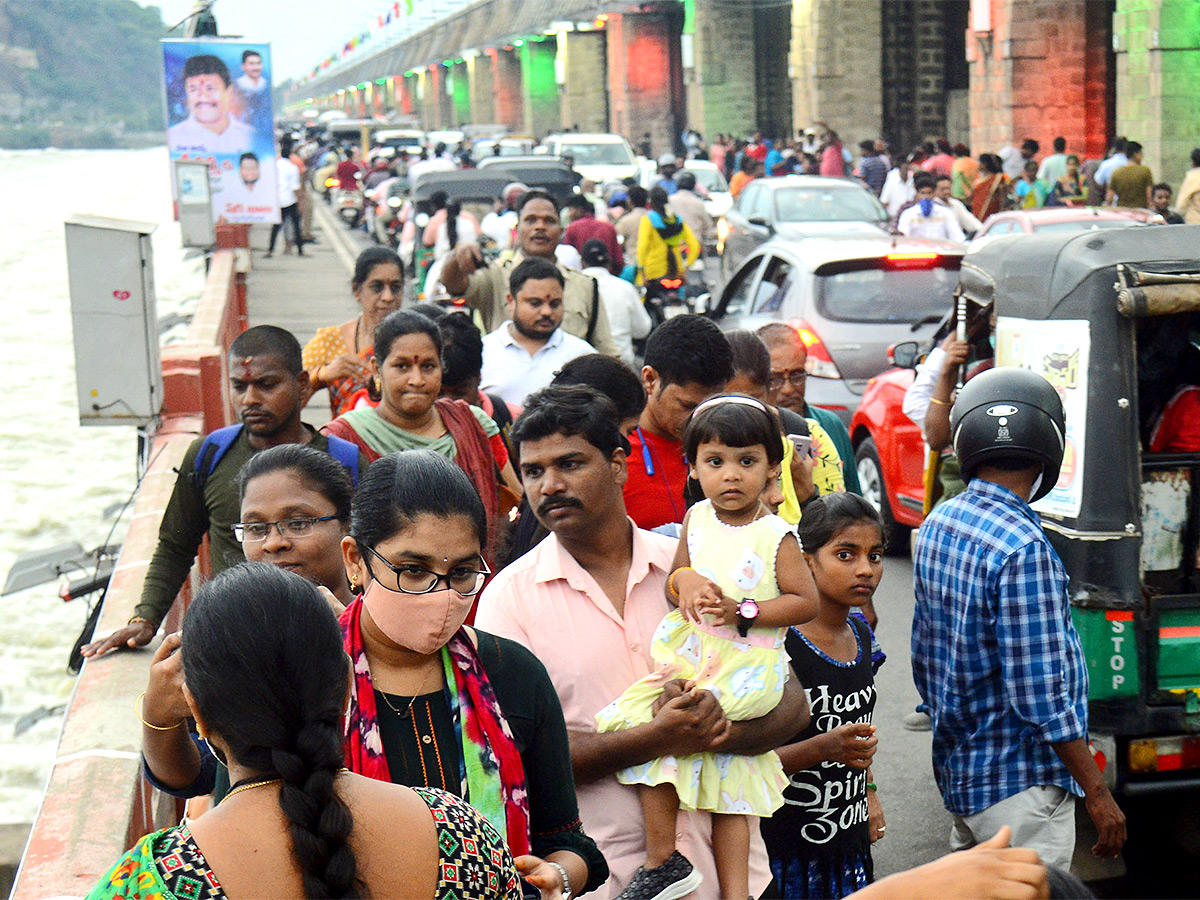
{"points": [[353, 581]]}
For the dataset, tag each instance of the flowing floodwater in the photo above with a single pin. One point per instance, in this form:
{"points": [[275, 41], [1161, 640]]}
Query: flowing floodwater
{"points": [[60, 482]]}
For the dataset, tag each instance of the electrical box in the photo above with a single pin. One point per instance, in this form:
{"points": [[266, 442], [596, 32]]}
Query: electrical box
{"points": [[118, 370], [195, 203]]}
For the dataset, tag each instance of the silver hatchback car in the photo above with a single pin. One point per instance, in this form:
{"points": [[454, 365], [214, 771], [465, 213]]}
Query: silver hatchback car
{"points": [[849, 297]]}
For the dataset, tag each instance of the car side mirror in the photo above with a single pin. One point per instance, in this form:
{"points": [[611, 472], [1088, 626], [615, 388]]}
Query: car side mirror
{"points": [[904, 355], [700, 304], [761, 222]]}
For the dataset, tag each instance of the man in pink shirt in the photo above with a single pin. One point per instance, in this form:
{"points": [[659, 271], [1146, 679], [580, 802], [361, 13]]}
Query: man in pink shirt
{"points": [[587, 601]]}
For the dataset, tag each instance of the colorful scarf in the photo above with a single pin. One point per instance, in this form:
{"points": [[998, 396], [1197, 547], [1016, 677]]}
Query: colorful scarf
{"points": [[491, 774]]}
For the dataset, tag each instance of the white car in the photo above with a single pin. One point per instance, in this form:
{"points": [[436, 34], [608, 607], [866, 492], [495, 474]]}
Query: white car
{"points": [[599, 157], [710, 183]]}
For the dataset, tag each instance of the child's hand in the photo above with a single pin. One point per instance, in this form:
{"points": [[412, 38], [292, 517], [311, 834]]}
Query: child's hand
{"points": [[722, 613], [875, 815], [694, 602], [852, 745]]}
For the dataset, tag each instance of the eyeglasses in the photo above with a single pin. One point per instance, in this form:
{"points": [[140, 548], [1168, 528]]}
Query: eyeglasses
{"points": [[794, 377], [254, 532], [414, 579]]}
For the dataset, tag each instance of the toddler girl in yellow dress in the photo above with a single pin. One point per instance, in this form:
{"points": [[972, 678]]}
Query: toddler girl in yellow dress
{"points": [[739, 581]]}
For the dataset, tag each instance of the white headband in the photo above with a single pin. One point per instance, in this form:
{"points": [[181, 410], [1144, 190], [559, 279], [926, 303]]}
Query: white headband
{"points": [[717, 401]]}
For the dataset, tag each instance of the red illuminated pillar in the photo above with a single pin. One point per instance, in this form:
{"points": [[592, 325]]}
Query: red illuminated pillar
{"points": [[645, 76]]}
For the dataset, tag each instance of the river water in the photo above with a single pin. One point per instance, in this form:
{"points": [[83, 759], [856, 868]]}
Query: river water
{"points": [[60, 481]]}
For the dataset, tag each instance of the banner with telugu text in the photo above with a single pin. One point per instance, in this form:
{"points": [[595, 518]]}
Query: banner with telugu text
{"points": [[219, 109]]}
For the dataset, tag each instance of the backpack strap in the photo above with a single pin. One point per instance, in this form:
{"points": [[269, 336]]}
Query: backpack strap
{"points": [[591, 329], [215, 446], [346, 453]]}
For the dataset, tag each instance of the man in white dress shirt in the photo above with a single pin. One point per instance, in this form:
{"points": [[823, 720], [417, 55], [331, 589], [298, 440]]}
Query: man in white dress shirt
{"points": [[522, 355], [209, 128], [927, 218]]}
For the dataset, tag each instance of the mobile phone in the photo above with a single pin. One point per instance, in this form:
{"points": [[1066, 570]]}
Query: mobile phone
{"points": [[802, 443]]}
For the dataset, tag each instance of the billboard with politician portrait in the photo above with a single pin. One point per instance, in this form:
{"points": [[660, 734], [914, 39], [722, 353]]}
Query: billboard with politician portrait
{"points": [[219, 111]]}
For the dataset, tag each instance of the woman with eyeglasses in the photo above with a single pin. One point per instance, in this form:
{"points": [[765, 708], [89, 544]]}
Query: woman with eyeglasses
{"points": [[407, 369], [435, 703], [338, 357], [295, 510], [266, 680]]}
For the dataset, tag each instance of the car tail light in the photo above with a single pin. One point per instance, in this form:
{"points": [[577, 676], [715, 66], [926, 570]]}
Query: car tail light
{"points": [[1164, 754], [916, 260], [722, 232], [820, 364], [671, 284]]}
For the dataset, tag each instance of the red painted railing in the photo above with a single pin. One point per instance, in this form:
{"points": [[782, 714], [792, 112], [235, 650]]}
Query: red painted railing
{"points": [[97, 804]]}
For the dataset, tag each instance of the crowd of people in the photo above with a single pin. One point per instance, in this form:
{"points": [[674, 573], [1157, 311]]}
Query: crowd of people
{"points": [[568, 623], [962, 190]]}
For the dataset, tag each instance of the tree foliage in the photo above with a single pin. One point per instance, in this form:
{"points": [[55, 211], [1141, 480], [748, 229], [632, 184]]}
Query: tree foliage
{"points": [[98, 61]]}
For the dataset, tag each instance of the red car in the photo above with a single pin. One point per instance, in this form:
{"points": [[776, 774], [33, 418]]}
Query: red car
{"points": [[889, 454], [1062, 218]]}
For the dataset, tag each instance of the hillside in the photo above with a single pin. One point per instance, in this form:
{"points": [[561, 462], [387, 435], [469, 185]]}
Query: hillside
{"points": [[70, 69]]}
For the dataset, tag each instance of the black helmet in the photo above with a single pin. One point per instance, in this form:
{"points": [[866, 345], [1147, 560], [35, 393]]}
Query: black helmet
{"points": [[1008, 413]]}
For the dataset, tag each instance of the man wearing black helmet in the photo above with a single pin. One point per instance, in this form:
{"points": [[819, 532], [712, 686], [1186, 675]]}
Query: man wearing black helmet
{"points": [[994, 654]]}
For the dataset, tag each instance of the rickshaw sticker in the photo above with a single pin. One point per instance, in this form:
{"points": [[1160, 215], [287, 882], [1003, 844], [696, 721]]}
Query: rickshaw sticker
{"points": [[1058, 351], [1061, 370]]}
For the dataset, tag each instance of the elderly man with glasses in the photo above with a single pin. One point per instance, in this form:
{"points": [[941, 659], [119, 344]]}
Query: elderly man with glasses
{"points": [[789, 377]]}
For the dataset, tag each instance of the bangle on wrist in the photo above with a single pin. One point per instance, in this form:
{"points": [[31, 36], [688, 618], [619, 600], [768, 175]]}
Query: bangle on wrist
{"points": [[872, 786], [671, 581], [566, 891], [136, 619], [940, 402], [137, 711]]}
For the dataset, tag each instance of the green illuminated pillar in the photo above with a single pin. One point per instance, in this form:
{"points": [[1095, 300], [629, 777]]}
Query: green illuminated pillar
{"points": [[1158, 70], [459, 87], [543, 113]]}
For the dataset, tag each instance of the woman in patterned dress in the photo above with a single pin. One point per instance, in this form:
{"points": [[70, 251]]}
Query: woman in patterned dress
{"points": [[267, 681], [338, 357]]}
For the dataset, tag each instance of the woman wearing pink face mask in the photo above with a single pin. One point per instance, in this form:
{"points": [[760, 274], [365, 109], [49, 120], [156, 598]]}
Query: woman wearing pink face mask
{"points": [[435, 703]]}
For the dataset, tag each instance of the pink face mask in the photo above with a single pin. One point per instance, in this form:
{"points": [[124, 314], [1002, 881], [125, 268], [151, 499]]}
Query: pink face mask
{"points": [[422, 623]]}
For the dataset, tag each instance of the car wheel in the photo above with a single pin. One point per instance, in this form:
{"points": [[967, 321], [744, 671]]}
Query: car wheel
{"points": [[874, 491]]}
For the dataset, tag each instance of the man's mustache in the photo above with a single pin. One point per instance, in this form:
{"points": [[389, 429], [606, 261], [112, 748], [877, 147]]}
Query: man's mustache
{"points": [[558, 503]]}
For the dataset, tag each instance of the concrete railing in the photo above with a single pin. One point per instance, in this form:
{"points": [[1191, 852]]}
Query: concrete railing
{"points": [[97, 804]]}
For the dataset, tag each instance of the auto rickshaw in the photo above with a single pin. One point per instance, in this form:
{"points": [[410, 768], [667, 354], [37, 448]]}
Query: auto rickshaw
{"points": [[1112, 320]]}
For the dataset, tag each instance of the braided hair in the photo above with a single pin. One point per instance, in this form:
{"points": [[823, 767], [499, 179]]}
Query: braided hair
{"points": [[263, 658]]}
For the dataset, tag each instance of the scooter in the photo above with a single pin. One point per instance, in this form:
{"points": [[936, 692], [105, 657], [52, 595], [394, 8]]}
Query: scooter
{"points": [[349, 206], [665, 299]]}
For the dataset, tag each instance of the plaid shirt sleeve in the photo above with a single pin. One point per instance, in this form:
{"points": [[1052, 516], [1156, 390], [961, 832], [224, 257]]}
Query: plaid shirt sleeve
{"points": [[1037, 648]]}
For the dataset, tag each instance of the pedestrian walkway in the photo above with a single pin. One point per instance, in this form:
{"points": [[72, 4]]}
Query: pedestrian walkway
{"points": [[305, 293]]}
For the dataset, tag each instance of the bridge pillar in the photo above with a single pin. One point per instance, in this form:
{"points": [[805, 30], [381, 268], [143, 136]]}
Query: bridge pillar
{"points": [[479, 88], [645, 77], [583, 67], [835, 62], [458, 92], [1041, 69], [406, 101], [507, 92], [1158, 68], [539, 86]]}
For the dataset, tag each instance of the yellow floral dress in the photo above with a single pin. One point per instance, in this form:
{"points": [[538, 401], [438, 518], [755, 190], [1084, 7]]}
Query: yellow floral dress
{"points": [[325, 347], [745, 674]]}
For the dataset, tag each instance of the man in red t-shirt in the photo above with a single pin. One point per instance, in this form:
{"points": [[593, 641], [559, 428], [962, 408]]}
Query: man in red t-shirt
{"points": [[687, 361], [348, 171], [586, 227]]}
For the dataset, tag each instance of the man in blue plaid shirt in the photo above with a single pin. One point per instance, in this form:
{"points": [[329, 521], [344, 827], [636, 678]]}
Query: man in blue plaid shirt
{"points": [[994, 653]]}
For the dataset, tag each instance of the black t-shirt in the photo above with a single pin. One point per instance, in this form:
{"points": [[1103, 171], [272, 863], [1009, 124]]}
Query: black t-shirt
{"points": [[825, 807], [422, 748]]}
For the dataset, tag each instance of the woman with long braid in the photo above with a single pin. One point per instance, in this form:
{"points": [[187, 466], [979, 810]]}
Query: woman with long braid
{"points": [[267, 681]]}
